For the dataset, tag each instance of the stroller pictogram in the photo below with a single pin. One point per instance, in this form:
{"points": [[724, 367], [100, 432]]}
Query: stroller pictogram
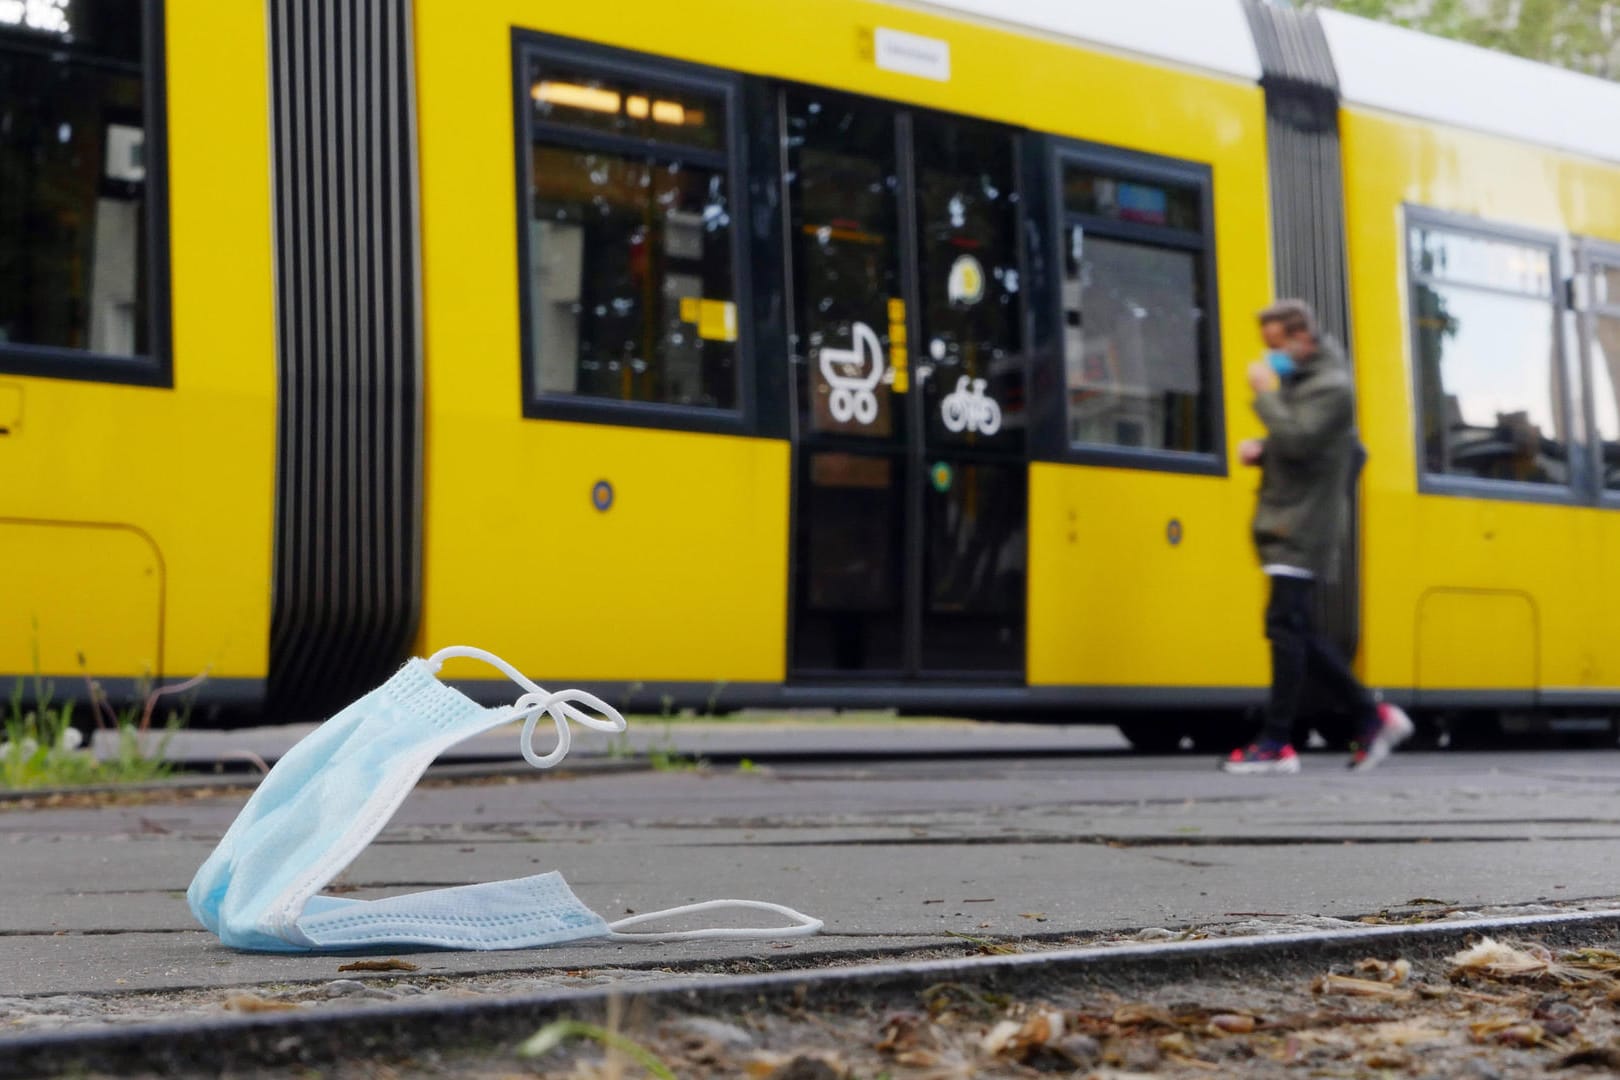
{"points": [[853, 396]]}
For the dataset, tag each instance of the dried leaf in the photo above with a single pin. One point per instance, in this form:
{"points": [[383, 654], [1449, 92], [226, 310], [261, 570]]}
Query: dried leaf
{"points": [[1137, 1014], [1509, 963], [391, 964], [907, 1031], [763, 1063], [1405, 1033], [1528, 1034], [1175, 1043], [253, 1003], [917, 1059], [1231, 1024], [1395, 973], [1605, 960], [999, 1037], [1019, 1041], [1354, 987], [1509, 1030]]}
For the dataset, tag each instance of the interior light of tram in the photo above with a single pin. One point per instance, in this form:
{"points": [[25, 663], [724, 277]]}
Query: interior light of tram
{"points": [[595, 99]]}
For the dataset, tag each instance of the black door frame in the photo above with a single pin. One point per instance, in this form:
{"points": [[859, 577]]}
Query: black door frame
{"points": [[913, 452]]}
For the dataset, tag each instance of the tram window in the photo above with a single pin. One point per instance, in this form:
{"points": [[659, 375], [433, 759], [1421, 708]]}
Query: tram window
{"points": [[850, 335], [74, 228], [1139, 361], [967, 205], [1489, 383], [620, 106], [1606, 286], [1606, 393], [631, 270], [1086, 191]]}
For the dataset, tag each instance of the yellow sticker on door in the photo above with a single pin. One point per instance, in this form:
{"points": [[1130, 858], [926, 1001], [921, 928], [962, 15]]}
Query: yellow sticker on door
{"points": [[717, 320]]}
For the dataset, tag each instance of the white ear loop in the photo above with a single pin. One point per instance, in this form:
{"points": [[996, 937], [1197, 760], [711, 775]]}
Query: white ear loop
{"points": [[803, 925], [538, 702]]}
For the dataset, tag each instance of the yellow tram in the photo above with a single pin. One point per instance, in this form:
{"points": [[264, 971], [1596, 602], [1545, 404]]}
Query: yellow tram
{"points": [[827, 352]]}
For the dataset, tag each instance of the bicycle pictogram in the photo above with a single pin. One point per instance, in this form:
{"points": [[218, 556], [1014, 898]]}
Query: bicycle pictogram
{"points": [[970, 410], [853, 396]]}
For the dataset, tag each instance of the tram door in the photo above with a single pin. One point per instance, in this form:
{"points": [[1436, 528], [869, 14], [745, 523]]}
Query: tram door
{"points": [[910, 488]]}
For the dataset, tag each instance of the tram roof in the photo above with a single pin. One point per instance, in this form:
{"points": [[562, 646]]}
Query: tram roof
{"points": [[1402, 71], [1212, 35], [1378, 65]]}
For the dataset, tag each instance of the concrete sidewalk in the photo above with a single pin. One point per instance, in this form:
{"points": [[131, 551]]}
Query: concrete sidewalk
{"points": [[926, 852]]}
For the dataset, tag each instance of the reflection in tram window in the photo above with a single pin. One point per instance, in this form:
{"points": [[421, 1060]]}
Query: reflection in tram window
{"points": [[849, 337], [967, 204], [1087, 192], [1606, 392], [73, 236], [631, 279], [850, 525], [615, 106], [1606, 286], [1134, 345], [1488, 360], [975, 568]]}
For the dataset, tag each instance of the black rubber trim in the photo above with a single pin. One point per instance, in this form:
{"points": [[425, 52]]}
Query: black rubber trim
{"points": [[955, 697], [347, 572], [233, 693]]}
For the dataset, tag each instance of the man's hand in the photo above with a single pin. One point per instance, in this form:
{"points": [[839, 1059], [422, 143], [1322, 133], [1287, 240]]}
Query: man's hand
{"points": [[1262, 378], [1249, 451]]}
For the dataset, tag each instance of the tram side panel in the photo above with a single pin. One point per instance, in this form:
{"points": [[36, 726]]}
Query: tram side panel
{"points": [[135, 525], [1485, 579], [1143, 584], [622, 549]]}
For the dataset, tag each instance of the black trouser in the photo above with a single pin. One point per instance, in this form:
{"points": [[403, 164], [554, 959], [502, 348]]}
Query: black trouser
{"points": [[1298, 653]]}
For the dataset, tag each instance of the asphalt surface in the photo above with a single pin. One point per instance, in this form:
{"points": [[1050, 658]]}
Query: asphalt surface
{"points": [[1005, 833]]}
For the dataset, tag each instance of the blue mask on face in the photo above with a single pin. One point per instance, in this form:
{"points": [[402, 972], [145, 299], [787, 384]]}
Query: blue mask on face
{"points": [[334, 791], [1281, 363]]}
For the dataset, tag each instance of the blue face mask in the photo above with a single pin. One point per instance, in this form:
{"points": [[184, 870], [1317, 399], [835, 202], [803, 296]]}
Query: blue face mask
{"points": [[1281, 363], [334, 791]]}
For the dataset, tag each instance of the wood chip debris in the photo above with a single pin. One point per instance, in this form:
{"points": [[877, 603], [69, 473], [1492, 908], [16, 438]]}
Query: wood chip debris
{"points": [[391, 964]]}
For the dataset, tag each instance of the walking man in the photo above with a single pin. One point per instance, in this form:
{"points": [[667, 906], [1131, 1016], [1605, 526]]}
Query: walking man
{"points": [[1305, 399]]}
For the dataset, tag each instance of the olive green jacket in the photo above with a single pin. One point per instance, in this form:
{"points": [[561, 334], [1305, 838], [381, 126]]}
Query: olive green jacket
{"points": [[1305, 467]]}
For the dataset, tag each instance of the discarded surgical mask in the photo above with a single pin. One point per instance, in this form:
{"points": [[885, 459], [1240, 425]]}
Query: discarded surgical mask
{"points": [[335, 790]]}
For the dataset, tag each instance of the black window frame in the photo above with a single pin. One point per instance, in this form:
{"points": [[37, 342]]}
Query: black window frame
{"points": [[155, 367], [655, 71], [1590, 256], [1574, 491], [1049, 431]]}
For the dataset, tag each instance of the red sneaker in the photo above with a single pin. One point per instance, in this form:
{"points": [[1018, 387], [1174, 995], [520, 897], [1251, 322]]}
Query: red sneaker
{"points": [[1262, 758], [1392, 728]]}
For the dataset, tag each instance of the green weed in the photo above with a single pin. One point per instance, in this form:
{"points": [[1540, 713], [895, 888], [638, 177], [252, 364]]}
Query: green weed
{"points": [[558, 1032], [42, 748]]}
